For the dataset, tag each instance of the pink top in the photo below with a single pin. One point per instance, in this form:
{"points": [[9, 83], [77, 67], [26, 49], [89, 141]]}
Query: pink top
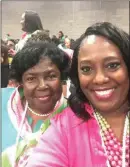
{"points": [[70, 142]]}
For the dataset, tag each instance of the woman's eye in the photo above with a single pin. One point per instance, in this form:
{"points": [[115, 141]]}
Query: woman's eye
{"points": [[31, 78], [86, 69], [52, 76], [113, 65]]}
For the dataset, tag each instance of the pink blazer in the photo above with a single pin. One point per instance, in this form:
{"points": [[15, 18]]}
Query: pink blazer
{"points": [[70, 142]]}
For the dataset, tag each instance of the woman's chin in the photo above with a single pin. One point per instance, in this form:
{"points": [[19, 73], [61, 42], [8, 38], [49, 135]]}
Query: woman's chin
{"points": [[104, 108], [48, 106]]}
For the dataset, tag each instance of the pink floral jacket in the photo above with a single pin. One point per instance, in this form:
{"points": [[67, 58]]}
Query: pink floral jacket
{"points": [[70, 142]]}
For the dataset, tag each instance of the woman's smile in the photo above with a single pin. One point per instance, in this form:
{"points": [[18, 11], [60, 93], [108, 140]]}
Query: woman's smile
{"points": [[104, 94], [103, 74], [43, 98], [42, 85]]}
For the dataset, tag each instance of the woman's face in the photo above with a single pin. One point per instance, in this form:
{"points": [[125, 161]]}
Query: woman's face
{"points": [[102, 74], [42, 85], [10, 44], [22, 22], [67, 43], [59, 35]]}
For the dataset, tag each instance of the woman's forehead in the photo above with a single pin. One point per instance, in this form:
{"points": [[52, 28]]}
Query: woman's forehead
{"points": [[98, 47], [95, 43], [93, 39], [43, 65]]}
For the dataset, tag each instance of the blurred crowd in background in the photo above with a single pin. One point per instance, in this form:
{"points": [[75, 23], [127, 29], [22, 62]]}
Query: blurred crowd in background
{"points": [[33, 30]]}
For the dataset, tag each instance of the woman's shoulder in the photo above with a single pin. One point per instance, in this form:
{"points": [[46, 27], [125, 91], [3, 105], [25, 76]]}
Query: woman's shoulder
{"points": [[66, 113], [67, 118]]}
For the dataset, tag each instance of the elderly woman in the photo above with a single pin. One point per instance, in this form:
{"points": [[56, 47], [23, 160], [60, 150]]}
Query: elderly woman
{"points": [[39, 68], [30, 22], [94, 130]]}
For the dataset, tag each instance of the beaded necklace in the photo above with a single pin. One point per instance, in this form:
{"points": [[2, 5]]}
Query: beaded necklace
{"points": [[40, 115], [117, 152]]}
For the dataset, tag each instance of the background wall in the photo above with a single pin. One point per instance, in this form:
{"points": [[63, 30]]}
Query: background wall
{"points": [[72, 17]]}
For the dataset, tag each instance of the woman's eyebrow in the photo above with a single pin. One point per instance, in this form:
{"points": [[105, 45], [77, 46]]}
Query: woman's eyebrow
{"points": [[84, 62], [45, 71]]}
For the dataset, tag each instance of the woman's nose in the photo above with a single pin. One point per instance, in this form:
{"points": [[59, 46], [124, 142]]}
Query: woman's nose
{"points": [[42, 84], [100, 77]]}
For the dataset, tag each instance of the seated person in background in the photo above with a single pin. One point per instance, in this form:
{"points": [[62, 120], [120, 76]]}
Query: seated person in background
{"points": [[94, 130], [39, 68], [11, 45], [66, 48], [67, 43], [55, 40], [61, 37], [4, 65]]}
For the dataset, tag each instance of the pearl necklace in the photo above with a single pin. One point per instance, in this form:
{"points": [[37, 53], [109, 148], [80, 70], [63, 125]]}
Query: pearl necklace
{"points": [[40, 115], [99, 118]]}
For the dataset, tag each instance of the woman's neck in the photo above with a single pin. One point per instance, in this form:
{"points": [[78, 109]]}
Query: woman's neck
{"points": [[116, 113], [35, 118], [116, 119], [37, 111]]}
